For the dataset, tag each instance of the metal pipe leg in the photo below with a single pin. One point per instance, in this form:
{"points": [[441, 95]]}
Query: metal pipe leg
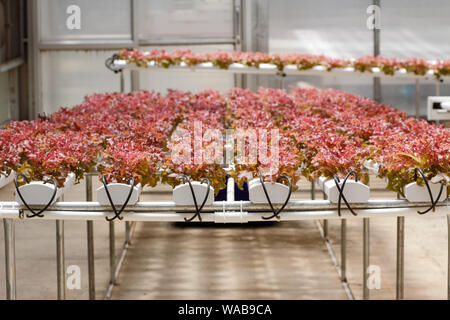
{"points": [[90, 243], [91, 259], [325, 229], [325, 222], [60, 263], [366, 256], [122, 81], [344, 250], [10, 258], [417, 98], [281, 80], [400, 257], [112, 253], [128, 233]]}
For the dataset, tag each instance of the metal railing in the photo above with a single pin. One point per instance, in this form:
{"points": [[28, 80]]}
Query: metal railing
{"points": [[229, 211]]}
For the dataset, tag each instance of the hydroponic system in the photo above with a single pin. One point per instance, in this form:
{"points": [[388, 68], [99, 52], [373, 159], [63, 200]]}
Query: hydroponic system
{"points": [[201, 145]]}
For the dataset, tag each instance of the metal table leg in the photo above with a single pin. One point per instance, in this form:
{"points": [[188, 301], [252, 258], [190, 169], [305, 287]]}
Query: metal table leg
{"points": [[90, 243], [366, 256], [122, 81], [10, 259], [112, 253], [400, 257], [417, 98], [60, 260], [344, 249], [128, 233], [313, 197], [325, 229]]}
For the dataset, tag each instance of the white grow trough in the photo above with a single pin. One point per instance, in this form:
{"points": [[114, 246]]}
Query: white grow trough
{"points": [[38, 193], [277, 192], [119, 193], [416, 193], [182, 194], [354, 191]]}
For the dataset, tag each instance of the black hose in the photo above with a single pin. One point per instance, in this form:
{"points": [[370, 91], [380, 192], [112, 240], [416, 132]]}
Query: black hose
{"points": [[341, 191], [117, 212], [276, 212], [34, 213]]}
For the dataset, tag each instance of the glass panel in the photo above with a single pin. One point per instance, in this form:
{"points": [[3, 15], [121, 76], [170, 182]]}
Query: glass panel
{"points": [[196, 81], [415, 28], [68, 76], [115, 17], [5, 111], [181, 19], [333, 28], [401, 94], [409, 28]]}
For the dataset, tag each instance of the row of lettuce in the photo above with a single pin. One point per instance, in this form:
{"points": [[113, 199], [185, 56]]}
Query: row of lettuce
{"points": [[223, 60], [316, 133]]}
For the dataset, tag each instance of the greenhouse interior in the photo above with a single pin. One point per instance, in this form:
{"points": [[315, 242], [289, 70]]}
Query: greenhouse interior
{"points": [[224, 150]]}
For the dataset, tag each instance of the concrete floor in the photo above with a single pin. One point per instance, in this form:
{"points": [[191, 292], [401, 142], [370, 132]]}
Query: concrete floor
{"points": [[286, 260]]}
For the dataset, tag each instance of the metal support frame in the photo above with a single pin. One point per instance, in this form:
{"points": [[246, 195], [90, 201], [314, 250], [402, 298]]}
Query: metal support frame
{"points": [[128, 232], [400, 258], [366, 257], [112, 254], [238, 37], [10, 259], [341, 267], [376, 51], [344, 250], [122, 81], [325, 229], [281, 76], [143, 210], [60, 260], [167, 211], [336, 263], [115, 272], [325, 222], [417, 98], [90, 242]]}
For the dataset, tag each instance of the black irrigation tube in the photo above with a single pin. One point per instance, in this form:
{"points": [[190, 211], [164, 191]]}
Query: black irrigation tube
{"points": [[276, 212], [433, 202], [34, 213], [111, 202], [341, 191], [197, 209], [109, 63]]}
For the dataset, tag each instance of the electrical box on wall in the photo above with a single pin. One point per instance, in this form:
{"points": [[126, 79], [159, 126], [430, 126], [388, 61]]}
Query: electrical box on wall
{"points": [[438, 108]]}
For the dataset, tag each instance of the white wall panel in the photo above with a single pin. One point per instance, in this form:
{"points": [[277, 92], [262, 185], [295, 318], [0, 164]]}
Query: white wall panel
{"points": [[185, 19], [68, 76], [100, 20]]}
